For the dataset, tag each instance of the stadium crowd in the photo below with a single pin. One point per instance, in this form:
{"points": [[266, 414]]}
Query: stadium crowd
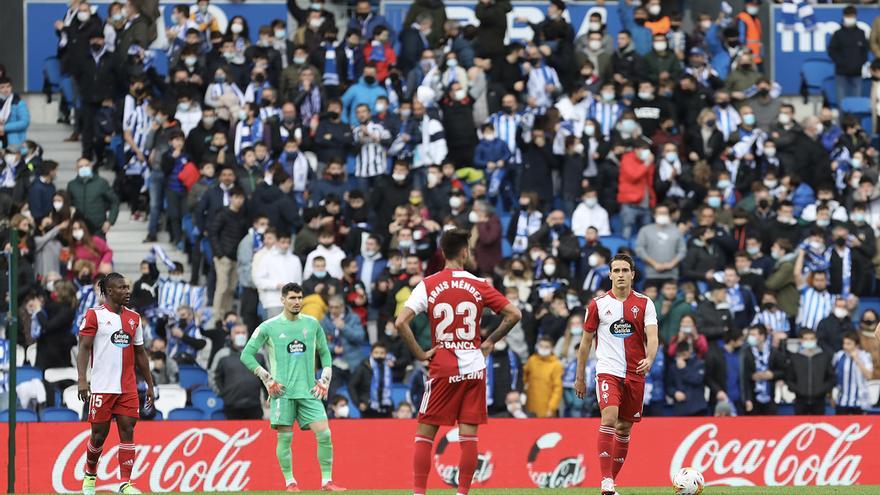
{"points": [[334, 154]]}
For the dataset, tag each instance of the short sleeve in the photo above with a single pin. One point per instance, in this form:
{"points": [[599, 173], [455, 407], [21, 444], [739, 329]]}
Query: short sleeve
{"points": [[418, 299], [650, 313], [89, 324], [493, 299], [591, 318], [139, 333]]}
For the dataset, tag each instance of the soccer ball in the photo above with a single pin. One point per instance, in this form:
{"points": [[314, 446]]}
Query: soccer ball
{"points": [[688, 481]]}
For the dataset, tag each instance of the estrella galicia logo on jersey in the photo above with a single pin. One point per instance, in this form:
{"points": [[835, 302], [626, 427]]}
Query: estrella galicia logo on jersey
{"points": [[621, 329], [568, 472], [120, 339], [296, 347], [449, 472]]}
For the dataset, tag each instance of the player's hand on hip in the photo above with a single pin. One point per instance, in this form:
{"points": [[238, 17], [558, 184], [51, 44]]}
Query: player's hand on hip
{"points": [[84, 392], [427, 356], [644, 366], [580, 387], [487, 347], [274, 388]]}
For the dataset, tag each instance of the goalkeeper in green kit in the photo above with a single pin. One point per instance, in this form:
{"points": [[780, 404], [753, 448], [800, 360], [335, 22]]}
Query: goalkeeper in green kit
{"points": [[291, 340]]}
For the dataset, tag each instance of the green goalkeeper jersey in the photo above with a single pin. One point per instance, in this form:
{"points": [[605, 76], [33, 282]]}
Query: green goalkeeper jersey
{"points": [[290, 347]]}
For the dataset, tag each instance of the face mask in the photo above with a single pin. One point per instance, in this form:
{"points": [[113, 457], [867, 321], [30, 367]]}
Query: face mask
{"points": [[240, 340], [209, 121], [236, 28], [858, 217], [628, 126], [183, 107], [840, 313], [381, 106], [645, 95], [576, 330], [369, 79], [608, 95], [752, 10], [190, 61], [847, 21], [808, 345], [817, 246], [591, 202], [628, 95], [714, 201], [534, 255], [549, 269], [242, 115], [595, 26], [723, 184], [459, 94], [662, 220], [595, 45], [823, 222], [686, 329], [473, 217], [641, 21], [452, 63], [543, 351], [398, 177], [78, 234], [579, 148], [644, 155], [316, 23], [593, 260], [280, 34], [590, 130], [455, 202], [84, 172], [784, 118], [299, 60], [856, 162], [654, 10], [671, 156], [320, 274], [752, 340], [770, 183], [85, 16], [770, 153], [117, 17], [57, 205], [749, 119], [405, 113], [342, 411], [660, 46]]}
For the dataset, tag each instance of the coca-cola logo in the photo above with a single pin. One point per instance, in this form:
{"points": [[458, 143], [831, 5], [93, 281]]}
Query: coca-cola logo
{"points": [[197, 459], [449, 472], [809, 453], [568, 471]]}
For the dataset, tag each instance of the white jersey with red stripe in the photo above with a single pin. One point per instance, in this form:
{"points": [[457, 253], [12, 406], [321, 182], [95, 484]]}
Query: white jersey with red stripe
{"points": [[454, 301], [620, 332], [112, 362]]}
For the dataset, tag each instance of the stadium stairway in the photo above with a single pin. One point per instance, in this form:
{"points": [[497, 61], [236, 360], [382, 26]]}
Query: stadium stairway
{"points": [[126, 236]]}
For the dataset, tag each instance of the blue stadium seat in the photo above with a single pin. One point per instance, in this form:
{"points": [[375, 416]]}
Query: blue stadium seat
{"points": [[27, 373], [58, 414], [858, 105], [865, 304], [159, 416], [829, 89], [192, 376], [616, 227], [398, 393], [613, 243], [21, 416], [814, 72], [186, 414], [218, 415], [206, 400]]}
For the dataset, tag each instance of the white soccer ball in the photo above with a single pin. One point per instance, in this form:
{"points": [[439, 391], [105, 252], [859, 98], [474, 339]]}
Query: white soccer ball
{"points": [[688, 481]]}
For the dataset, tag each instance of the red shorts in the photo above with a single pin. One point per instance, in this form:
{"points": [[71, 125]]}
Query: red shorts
{"points": [[102, 407], [627, 394], [458, 398]]}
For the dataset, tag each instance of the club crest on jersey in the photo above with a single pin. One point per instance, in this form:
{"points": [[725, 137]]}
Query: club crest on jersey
{"points": [[296, 347], [131, 323], [635, 310], [621, 329], [120, 339]]}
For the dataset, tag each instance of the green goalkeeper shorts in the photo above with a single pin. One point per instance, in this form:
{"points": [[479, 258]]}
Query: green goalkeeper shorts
{"points": [[283, 412]]}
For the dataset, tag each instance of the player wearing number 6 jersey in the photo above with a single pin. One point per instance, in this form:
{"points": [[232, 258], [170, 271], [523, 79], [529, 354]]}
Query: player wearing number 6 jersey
{"points": [[624, 324], [456, 389]]}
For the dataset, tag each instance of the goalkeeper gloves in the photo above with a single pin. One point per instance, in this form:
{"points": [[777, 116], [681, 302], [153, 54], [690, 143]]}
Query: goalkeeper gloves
{"points": [[274, 388], [322, 384]]}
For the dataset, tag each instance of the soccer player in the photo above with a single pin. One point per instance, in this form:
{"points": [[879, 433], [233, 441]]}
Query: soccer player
{"points": [[456, 390], [624, 324], [111, 341], [291, 340]]}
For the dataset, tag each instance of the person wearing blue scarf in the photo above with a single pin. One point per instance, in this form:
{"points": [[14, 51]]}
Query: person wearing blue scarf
{"points": [[762, 364], [370, 384], [503, 374]]}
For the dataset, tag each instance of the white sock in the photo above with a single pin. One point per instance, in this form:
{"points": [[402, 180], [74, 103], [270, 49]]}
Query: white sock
{"points": [[324, 480]]}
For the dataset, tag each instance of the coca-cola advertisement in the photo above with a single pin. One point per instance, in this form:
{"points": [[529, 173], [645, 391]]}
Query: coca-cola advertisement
{"points": [[186, 456]]}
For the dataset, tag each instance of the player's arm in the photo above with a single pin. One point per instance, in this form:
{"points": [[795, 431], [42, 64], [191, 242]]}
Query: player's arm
{"points": [[322, 384], [415, 304], [652, 340], [142, 361], [511, 315], [249, 359], [591, 324], [86, 343]]}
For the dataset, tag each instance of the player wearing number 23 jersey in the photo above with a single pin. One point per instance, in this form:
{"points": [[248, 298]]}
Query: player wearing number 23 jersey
{"points": [[454, 301]]}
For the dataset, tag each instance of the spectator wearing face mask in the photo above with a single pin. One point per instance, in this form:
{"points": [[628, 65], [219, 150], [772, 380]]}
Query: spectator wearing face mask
{"points": [[833, 327], [723, 376], [274, 269], [713, 316], [853, 367], [503, 375], [848, 49], [689, 334], [93, 198], [816, 302], [370, 384], [339, 408], [589, 213], [542, 376], [634, 20], [233, 382], [661, 246], [810, 375], [685, 383]]}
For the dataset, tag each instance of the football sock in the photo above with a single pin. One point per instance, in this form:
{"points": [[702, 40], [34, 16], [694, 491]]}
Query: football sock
{"points": [[606, 440], [285, 456], [125, 457], [421, 463], [467, 463], [92, 455], [325, 455], [618, 453]]}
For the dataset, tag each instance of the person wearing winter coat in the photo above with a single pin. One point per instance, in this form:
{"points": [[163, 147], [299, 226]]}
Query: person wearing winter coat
{"points": [[274, 269], [492, 15], [761, 366], [685, 382], [848, 49], [93, 198], [345, 334], [14, 115], [435, 12], [810, 375], [635, 191], [364, 92], [370, 384], [538, 162], [542, 376]]}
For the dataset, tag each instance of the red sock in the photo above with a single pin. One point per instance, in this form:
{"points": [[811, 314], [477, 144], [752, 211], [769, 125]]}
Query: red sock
{"points": [[606, 441], [92, 455], [422, 463], [467, 463], [618, 453], [125, 456]]}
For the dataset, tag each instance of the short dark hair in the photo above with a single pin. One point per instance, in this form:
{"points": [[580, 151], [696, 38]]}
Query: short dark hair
{"points": [[624, 257], [291, 287], [760, 328], [851, 336], [453, 242], [808, 331], [102, 283]]}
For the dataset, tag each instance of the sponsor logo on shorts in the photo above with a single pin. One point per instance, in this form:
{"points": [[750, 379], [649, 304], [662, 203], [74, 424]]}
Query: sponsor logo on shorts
{"points": [[296, 347], [621, 329], [476, 375], [120, 339]]}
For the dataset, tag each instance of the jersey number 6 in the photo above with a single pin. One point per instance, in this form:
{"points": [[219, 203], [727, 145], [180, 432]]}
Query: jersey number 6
{"points": [[446, 314]]}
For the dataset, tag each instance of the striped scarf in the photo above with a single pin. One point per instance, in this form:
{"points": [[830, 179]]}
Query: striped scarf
{"points": [[490, 375], [311, 104], [331, 74], [381, 379], [762, 363], [794, 11]]}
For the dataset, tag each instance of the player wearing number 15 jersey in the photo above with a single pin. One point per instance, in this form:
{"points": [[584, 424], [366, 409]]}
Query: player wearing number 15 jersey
{"points": [[624, 324], [456, 389]]}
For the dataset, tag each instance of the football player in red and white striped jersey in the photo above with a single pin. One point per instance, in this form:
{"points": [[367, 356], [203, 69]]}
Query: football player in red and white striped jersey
{"points": [[111, 342], [624, 324]]}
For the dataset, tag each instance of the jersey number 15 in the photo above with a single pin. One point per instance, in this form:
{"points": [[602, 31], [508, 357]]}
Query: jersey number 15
{"points": [[446, 314]]}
